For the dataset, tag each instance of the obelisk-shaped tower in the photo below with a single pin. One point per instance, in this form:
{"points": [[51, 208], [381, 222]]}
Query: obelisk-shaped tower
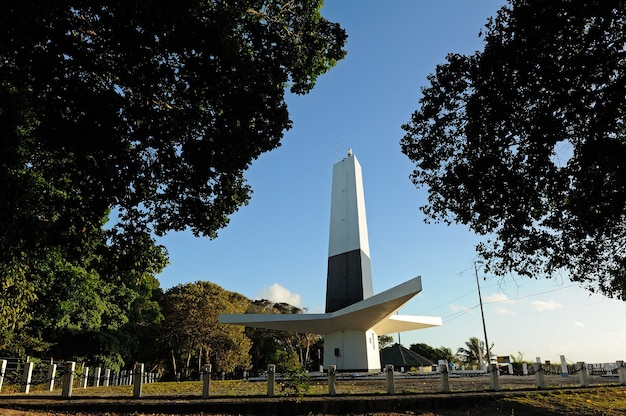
{"points": [[354, 315], [349, 278]]}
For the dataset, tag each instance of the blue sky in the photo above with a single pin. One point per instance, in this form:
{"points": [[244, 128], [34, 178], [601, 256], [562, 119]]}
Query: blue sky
{"points": [[276, 247]]}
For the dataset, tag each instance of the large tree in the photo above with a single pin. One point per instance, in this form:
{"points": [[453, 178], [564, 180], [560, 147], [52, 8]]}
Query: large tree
{"points": [[266, 342], [191, 327], [153, 109], [525, 142]]}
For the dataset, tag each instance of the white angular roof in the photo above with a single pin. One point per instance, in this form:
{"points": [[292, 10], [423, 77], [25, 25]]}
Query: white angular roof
{"points": [[376, 313]]}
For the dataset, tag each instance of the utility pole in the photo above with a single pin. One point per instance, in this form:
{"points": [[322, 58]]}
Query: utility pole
{"points": [[482, 314]]}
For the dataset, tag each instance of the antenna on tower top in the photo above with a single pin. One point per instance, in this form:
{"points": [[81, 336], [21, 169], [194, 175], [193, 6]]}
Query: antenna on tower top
{"points": [[350, 151]]}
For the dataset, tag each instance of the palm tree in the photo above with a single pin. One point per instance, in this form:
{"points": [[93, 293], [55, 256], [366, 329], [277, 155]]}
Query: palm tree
{"points": [[474, 353], [445, 353]]}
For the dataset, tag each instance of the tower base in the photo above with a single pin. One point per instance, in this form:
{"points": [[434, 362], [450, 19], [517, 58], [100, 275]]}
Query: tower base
{"points": [[352, 351]]}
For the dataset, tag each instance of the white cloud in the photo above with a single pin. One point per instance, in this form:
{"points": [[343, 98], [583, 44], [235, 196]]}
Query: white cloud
{"points": [[497, 297], [498, 310], [550, 305], [278, 293], [459, 308], [578, 324]]}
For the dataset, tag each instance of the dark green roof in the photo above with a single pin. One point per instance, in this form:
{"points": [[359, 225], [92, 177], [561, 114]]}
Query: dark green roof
{"points": [[399, 356]]}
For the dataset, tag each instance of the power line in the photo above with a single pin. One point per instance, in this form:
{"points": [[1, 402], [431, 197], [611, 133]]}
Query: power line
{"points": [[469, 309]]}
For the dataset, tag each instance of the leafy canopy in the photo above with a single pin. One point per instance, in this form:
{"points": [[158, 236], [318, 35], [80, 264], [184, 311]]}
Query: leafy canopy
{"points": [[191, 314], [525, 142], [154, 109]]}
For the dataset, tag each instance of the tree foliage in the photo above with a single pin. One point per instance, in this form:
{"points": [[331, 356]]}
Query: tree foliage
{"points": [[384, 340], [191, 324], [270, 344], [154, 107], [433, 354], [474, 352], [151, 109], [524, 142], [89, 300]]}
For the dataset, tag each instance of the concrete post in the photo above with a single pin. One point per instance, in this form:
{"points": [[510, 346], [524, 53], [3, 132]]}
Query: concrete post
{"points": [[495, 380], [583, 374], [525, 369], [511, 372], [107, 376], [68, 379], [621, 372], [390, 386], [137, 380], [540, 378], [85, 378], [26, 377], [3, 369], [206, 381], [271, 378], [96, 376], [564, 371], [332, 379], [52, 372], [445, 382]]}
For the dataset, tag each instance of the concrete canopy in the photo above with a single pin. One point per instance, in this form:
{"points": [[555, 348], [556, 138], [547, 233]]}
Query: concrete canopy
{"points": [[375, 312]]}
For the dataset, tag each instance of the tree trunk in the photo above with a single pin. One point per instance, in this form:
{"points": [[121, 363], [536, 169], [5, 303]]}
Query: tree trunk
{"points": [[200, 361], [308, 349], [187, 369]]}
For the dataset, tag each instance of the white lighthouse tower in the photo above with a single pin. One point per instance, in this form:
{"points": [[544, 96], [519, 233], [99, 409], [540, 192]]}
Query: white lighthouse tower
{"points": [[354, 315]]}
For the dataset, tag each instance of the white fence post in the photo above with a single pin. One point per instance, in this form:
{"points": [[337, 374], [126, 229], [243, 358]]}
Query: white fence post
{"points": [[525, 369], [540, 378], [445, 381], [583, 374], [85, 377], [52, 372], [3, 369], [68, 379], [621, 372], [137, 380], [96, 376], [495, 374], [332, 379], [26, 377], [271, 378], [390, 386], [564, 370], [206, 381], [107, 375]]}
